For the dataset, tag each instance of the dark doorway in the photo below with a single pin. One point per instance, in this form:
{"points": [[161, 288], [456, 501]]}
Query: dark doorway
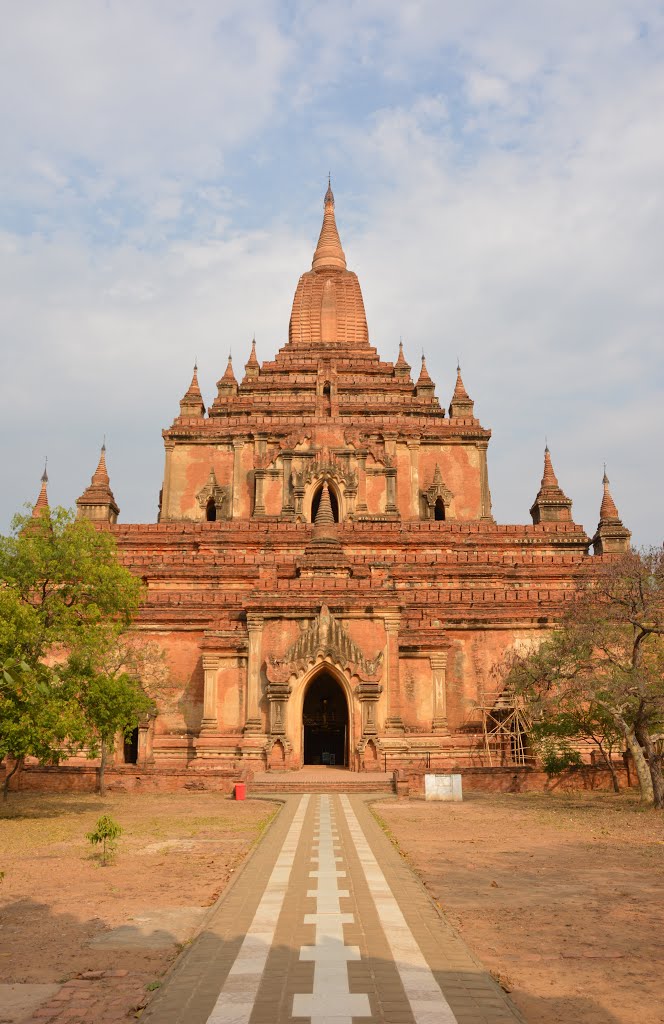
{"points": [[211, 511], [333, 502], [325, 721], [131, 747], [439, 509]]}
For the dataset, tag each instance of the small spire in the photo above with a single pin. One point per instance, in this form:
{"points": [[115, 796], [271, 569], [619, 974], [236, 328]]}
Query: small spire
{"points": [[100, 477], [401, 359], [459, 387], [549, 478], [324, 514], [611, 537], [97, 502], [608, 510], [329, 255], [41, 504], [424, 378], [252, 366], [228, 373], [551, 504], [462, 405], [191, 403]]}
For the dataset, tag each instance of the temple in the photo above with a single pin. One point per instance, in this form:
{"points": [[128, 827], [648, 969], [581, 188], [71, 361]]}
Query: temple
{"points": [[326, 576]]}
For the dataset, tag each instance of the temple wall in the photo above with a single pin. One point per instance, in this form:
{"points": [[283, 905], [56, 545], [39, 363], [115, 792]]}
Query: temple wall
{"points": [[179, 695], [460, 470], [189, 473]]}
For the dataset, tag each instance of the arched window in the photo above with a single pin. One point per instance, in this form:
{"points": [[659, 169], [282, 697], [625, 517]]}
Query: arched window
{"points": [[211, 511], [131, 747], [334, 502], [327, 395], [439, 509]]}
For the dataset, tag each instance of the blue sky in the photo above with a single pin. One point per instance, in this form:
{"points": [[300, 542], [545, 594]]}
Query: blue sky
{"points": [[498, 171]]}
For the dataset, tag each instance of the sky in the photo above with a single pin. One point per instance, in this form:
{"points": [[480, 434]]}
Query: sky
{"points": [[498, 170]]}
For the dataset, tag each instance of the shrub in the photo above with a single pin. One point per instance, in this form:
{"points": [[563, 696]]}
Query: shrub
{"points": [[106, 833]]}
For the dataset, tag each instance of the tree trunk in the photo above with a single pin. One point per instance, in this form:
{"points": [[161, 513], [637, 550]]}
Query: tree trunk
{"points": [[101, 777], [9, 776], [609, 764], [640, 763], [654, 765]]}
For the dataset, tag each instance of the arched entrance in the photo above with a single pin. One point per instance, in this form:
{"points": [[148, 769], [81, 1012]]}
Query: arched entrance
{"points": [[325, 722]]}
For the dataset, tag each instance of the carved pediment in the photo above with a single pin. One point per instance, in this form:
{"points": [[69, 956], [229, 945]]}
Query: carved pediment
{"points": [[324, 638], [219, 494], [437, 490], [326, 466]]}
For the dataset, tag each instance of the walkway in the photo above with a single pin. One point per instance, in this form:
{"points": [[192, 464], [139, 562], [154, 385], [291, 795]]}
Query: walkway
{"points": [[326, 924]]}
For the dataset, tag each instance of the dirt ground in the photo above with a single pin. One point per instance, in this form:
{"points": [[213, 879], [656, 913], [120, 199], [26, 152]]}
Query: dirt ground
{"points": [[560, 896], [178, 850]]}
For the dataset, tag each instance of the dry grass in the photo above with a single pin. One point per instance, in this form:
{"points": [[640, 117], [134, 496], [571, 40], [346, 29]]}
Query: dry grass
{"points": [[32, 822]]}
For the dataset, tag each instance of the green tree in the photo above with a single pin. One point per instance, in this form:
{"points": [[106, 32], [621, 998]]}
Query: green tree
{"points": [[63, 593], [607, 659], [582, 719], [39, 716], [67, 573], [108, 680]]}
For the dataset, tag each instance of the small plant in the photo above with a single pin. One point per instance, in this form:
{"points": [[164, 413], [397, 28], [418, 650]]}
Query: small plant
{"points": [[106, 833], [557, 755]]}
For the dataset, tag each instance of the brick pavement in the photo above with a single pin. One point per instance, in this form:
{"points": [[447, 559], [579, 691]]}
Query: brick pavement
{"points": [[95, 997], [326, 924]]}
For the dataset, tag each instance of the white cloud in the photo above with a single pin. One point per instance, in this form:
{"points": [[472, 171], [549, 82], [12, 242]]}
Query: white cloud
{"points": [[500, 195]]}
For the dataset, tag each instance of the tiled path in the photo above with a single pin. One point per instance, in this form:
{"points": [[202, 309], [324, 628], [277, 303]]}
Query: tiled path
{"points": [[326, 924]]}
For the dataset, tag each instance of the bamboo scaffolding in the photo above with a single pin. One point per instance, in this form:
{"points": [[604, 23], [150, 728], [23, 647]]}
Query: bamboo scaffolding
{"points": [[505, 726]]}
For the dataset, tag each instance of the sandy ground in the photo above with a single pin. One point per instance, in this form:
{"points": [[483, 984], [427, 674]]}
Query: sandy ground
{"points": [[561, 896], [56, 901]]}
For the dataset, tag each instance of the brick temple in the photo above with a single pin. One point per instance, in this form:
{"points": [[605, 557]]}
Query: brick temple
{"points": [[326, 575]]}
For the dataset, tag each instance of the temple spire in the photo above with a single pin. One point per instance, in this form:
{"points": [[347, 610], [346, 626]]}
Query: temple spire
{"points": [[551, 505], [252, 367], [401, 367], [462, 405], [100, 475], [97, 502], [424, 387], [191, 403], [611, 537], [329, 255], [608, 510], [549, 478], [227, 385], [41, 503]]}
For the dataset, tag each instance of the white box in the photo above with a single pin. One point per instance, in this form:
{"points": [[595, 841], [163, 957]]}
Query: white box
{"points": [[442, 787]]}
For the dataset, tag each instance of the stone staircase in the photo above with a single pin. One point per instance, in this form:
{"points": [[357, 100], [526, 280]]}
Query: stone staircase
{"points": [[323, 779]]}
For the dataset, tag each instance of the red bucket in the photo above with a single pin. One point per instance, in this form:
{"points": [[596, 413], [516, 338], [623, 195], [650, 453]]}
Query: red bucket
{"points": [[240, 790]]}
